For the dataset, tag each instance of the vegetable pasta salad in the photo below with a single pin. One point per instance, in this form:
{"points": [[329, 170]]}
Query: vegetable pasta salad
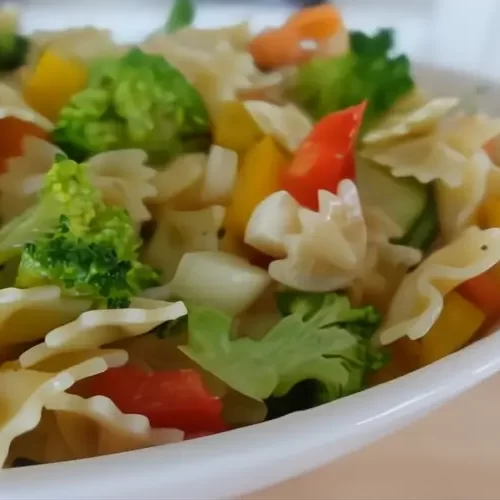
{"points": [[212, 228]]}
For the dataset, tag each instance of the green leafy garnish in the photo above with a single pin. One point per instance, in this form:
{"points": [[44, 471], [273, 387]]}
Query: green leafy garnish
{"points": [[367, 72], [137, 101], [312, 342], [71, 239], [181, 15]]}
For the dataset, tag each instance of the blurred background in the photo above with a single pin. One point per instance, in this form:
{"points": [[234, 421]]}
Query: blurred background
{"points": [[462, 34]]}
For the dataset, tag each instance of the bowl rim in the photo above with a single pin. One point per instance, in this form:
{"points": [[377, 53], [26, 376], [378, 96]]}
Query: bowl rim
{"points": [[200, 468]]}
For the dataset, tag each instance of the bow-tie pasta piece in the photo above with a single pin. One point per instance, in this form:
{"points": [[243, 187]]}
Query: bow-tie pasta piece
{"points": [[237, 35], [411, 123], [94, 329], [287, 124], [27, 315], [419, 299], [435, 153], [13, 105], [23, 179], [84, 43], [330, 249], [24, 394], [426, 158], [179, 232], [121, 176], [76, 428], [457, 206], [180, 182], [95, 427], [386, 262], [468, 134], [124, 180]]}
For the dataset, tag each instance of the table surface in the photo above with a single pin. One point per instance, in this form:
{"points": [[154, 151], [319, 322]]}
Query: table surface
{"points": [[454, 453]]}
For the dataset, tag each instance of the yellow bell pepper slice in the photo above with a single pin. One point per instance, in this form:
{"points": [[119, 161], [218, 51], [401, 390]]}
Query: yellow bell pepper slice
{"points": [[458, 322], [53, 82], [234, 127], [489, 213], [259, 176]]}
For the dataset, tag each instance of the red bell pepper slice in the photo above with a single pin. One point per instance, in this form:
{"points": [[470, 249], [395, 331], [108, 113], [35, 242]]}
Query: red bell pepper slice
{"points": [[170, 399], [325, 157]]}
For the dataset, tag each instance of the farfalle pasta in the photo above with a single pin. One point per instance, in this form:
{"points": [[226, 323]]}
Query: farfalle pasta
{"points": [[97, 328], [85, 43], [122, 177], [28, 315], [212, 227], [73, 428], [13, 105], [361, 242], [20, 185], [419, 300], [431, 146], [287, 124], [328, 247], [124, 180], [25, 393], [385, 262]]}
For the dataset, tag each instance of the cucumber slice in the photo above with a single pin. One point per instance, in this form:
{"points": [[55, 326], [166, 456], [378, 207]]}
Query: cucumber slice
{"points": [[426, 229], [410, 204]]}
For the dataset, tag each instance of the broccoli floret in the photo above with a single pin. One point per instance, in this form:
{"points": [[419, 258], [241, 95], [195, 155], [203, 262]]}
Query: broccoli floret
{"points": [[13, 51], [73, 240], [368, 71], [66, 190], [137, 101]]}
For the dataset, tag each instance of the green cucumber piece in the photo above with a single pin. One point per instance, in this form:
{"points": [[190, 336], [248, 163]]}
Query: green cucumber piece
{"points": [[409, 203], [426, 229], [403, 199]]}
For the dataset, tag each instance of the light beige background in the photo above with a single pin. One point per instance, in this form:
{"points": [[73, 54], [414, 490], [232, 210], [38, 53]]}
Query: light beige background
{"points": [[452, 454]]}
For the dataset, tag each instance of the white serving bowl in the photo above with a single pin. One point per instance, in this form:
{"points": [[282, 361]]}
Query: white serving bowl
{"points": [[242, 461]]}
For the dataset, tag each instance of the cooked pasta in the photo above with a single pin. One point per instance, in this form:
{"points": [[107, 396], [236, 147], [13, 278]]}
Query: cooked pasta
{"points": [[12, 105], [419, 299], [209, 228], [124, 180], [94, 329]]}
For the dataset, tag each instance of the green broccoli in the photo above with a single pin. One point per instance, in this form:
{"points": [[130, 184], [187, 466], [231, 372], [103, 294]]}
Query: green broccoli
{"points": [[13, 51], [72, 239], [137, 101], [360, 359], [368, 72]]}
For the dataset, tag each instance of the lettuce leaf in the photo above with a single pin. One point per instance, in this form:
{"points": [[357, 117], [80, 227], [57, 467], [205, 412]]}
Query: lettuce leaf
{"points": [[312, 342]]}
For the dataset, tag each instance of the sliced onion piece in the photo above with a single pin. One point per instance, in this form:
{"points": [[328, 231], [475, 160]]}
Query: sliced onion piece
{"points": [[219, 280]]}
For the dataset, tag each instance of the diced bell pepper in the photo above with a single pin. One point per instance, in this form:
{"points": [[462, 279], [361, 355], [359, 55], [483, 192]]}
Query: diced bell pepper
{"points": [[457, 324], [53, 82], [234, 127], [259, 176]]}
